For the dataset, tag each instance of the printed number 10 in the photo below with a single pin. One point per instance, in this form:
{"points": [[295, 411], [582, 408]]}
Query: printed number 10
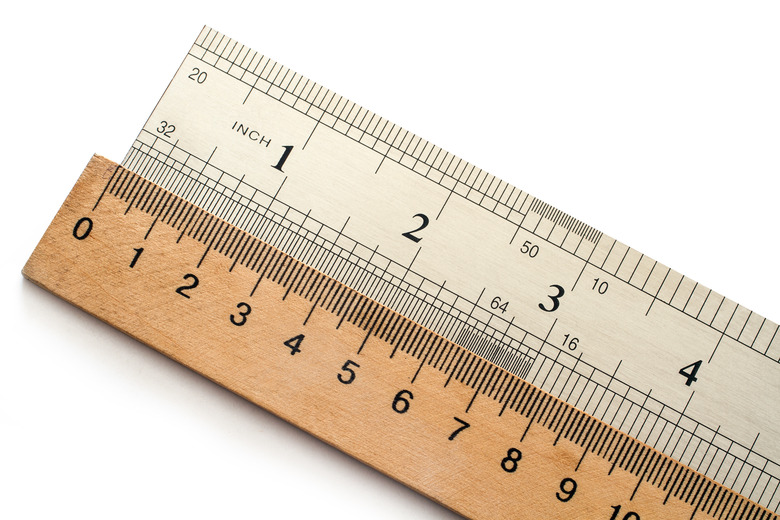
{"points": [[628, 516]]}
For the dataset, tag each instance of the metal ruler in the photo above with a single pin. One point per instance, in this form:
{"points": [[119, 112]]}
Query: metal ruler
{"points": [[477, 261]]}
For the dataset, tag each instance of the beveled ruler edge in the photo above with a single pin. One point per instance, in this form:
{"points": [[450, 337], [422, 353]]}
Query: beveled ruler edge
{"points": [[352, 121], [404, 335]]}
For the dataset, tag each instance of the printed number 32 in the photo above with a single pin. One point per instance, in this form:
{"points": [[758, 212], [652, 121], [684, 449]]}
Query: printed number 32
{"points": [[165, 128]]}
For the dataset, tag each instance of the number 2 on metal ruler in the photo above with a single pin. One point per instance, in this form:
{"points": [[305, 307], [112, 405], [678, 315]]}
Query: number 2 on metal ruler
{"points": [[570, 310]]}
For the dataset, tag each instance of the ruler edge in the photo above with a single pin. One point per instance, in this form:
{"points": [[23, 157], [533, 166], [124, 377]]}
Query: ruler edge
{"points": [[31, 267]]}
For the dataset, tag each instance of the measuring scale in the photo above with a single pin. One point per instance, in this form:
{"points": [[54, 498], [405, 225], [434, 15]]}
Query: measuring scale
{"points": [[478, 262]]}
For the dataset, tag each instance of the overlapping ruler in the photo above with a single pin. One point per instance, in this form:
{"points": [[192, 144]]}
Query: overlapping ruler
{"points": [[569, 309]]}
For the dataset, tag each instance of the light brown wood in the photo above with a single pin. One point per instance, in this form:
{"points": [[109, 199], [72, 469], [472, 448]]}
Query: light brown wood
{"points": [[360, 376]]}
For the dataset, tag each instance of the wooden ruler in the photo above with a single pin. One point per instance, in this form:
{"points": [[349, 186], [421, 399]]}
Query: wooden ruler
{"points": [[356, 374]]}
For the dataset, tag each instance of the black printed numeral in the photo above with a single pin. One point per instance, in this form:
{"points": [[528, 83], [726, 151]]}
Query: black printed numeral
{"points": [[83, 228], [198, 76], [166, 128], [571, 342], [691, 375], [410, 234], [568, 488], [509, 463], [556, 299], [463, 426], [529, 249], [244, 310], [600, 286], [294, 344], [498, 304], [402, 401], [193, 283], [347, 375], [628, 516], [138, 251], [287, 151]]}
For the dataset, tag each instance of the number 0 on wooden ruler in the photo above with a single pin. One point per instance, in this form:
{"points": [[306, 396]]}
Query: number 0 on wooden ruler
{"points": [[294, 247]]}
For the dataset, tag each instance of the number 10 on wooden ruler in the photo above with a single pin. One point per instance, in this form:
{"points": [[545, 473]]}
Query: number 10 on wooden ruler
{"points": [[301, 251]]}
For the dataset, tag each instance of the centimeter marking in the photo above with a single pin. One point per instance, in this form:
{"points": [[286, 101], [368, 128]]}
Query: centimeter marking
{"points": [[514, 345], [413, 382]]}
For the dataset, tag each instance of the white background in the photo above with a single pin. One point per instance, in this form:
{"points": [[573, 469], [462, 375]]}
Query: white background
{"points": [[657, 123]]}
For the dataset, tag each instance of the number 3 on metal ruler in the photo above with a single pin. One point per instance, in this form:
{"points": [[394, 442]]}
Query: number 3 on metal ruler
{"points": [[506, 376]]}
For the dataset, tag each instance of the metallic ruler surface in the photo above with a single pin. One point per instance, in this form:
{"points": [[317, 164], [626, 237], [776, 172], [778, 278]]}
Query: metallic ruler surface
{"points": [[356, 374], [537, 292]]}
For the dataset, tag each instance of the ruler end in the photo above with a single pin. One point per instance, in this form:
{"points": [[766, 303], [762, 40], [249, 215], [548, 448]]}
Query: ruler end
{"points": [[37, 269]]}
